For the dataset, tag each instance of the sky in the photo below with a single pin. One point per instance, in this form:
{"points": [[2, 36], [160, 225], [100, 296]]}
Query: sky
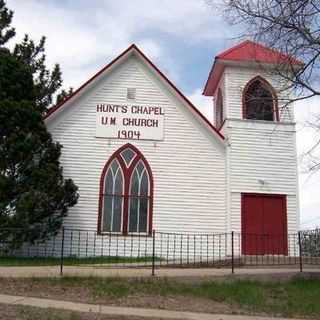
{"points": [[180, 36]]}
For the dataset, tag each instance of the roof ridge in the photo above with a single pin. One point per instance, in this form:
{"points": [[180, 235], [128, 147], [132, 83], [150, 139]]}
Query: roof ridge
{"points": [[264, 47], [156, 69], [279, 52], [61, 103], [227, 51], [247, 51]]}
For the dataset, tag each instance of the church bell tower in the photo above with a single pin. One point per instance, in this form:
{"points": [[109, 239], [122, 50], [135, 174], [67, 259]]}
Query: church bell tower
{"points": [[251, 111]]}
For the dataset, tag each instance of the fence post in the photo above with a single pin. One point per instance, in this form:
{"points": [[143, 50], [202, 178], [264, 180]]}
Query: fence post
{"points": [[153, 251], [300, 250], [62, 253], [232, 251]]}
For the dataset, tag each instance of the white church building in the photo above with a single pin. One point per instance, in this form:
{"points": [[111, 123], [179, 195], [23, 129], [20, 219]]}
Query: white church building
{"points": [[144, 158]]}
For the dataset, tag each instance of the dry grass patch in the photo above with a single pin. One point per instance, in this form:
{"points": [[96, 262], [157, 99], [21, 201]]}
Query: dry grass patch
{"points": [[293, 298]]}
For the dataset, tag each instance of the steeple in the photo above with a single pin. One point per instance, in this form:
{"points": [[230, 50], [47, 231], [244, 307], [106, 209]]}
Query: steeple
{"points": [[247, 52], [244, 85]]}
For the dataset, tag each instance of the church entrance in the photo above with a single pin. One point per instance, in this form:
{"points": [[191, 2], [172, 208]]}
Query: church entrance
{"points": [[264, 224]]}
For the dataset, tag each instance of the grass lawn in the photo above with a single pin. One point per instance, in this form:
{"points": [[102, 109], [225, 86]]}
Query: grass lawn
{"points": [[67, 261], [294, 298]]}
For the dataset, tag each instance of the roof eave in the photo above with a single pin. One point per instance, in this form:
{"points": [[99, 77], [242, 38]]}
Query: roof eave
{"points": [[181, 95], [133, 49], [91, 81], [220, 62], [216, 70]]}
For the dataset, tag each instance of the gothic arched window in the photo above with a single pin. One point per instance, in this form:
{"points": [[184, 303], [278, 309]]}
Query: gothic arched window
{"points": [[259, 101], [113, 197], [219, 110], [126, 193]]}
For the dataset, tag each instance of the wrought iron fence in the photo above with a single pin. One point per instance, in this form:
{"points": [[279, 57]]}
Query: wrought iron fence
{"points": [[77, 247]]}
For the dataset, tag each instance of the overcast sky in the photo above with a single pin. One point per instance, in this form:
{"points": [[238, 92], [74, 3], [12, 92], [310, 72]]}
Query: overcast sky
{"points": [[180, 36]]}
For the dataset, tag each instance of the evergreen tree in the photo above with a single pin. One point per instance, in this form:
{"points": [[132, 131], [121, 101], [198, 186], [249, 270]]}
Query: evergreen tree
{"points": [[63, 95], [34, 196], [46, 82], [6, 32]]}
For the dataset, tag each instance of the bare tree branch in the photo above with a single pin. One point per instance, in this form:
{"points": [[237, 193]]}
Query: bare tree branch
{"points": [[291, 27]]}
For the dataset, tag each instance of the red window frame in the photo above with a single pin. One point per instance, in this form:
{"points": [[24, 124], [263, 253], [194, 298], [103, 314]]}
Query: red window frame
{"points": [[269, 87], [127, 173]]}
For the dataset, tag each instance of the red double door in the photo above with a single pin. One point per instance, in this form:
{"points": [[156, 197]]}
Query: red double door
{"points": [[264, 224]]}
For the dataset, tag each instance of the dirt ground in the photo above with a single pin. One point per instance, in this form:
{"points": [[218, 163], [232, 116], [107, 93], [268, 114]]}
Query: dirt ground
{"points": [[115, 292], [82, 294]]}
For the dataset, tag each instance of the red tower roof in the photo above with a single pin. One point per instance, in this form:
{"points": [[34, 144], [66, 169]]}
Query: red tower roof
{"points": [[246, 51], [252, 51]]}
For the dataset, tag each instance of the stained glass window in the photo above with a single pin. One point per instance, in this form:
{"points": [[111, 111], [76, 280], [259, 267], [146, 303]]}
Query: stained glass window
{"points": [[139, 197], [113, 198], [127, 195], [127, 155], [259, 101]]}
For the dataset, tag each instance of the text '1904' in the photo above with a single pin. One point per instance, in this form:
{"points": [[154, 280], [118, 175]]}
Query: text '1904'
{"points": [[129, 122]]}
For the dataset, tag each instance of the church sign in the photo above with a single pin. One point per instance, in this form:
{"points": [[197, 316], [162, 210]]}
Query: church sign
{"points": [[129, 122]]}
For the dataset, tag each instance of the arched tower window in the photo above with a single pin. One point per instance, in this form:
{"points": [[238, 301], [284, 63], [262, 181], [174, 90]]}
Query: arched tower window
{"points": [[126, 193], [219, 110], [260, 101]]}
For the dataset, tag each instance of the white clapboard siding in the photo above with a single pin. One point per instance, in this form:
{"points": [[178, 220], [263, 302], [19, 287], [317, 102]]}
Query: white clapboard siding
{"points": [[170, 247], [188, 165], [262, 154], [259, 153], [258, 150]]}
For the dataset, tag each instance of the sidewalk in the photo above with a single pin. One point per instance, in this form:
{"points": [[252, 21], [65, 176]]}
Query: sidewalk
{"points": [[121, 311], [54, 271]]}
